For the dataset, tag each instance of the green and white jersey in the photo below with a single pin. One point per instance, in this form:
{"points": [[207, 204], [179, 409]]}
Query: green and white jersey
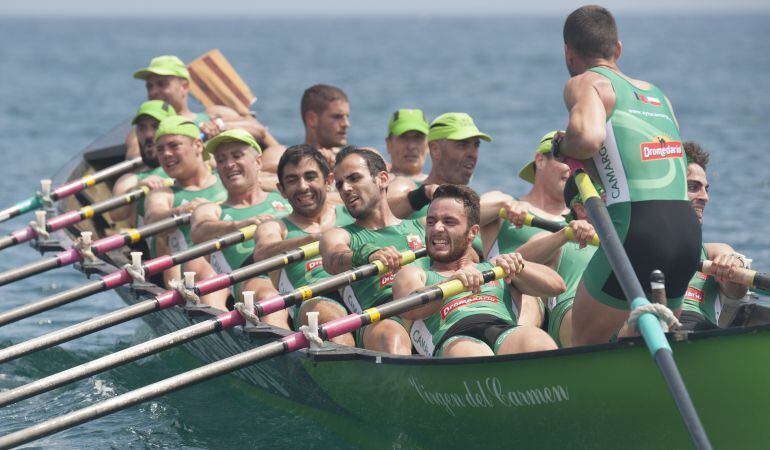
{"points": [[572, 263], [302, 273], [494, 299], [702, 295], [179, 239], [231, 258], [158, 171], [372, 291], [642, 157]]}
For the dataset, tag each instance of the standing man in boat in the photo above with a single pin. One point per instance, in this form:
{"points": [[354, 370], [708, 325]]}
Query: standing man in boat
{"points": [[326, 115], [628, 128], [238, 158], [181, 155], [362, 179], [407, 144], [479, 321], [167, 79], [151, 175], [304, 180], [703, 299]]}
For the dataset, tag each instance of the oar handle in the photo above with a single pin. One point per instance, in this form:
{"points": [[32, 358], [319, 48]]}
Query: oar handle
{"points": [[746, 277], [549, 225]]}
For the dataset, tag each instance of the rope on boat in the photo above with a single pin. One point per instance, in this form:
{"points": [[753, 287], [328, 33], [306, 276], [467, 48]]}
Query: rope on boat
{"points": [[83, 249], [41, 232], [315, 341], [187, 294], [666, 318], [137, 273], [247, 314]]}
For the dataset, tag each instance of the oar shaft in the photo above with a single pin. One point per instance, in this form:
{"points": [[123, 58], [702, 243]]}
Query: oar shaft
{"points": [[51, 302], [746, 277], [104, 245], [549, 225]]}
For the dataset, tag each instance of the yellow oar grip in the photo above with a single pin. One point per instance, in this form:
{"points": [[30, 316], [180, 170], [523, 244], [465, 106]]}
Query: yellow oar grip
{"points": [[451, 288], [585, 186], [499, 272], [503, 214], [168, 182], [248, 231], [407, 257], [569, 233], [311, 250], [373, 313], [742, 276]]}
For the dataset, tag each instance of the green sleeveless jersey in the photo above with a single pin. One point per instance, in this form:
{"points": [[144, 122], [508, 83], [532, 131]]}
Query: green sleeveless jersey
{"points": [[158, 171], [494, 299], [642, 157], [572, 263], [232, 257], [180, 239], [303, 273], [702, 295], [408, 235]]}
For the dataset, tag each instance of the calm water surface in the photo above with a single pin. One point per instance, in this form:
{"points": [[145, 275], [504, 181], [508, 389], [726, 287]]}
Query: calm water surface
{"points": [[64, 82]]}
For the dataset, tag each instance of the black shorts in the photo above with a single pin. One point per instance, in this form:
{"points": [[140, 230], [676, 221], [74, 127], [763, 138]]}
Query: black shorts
{"points": [[484, 327], [692, 321]]}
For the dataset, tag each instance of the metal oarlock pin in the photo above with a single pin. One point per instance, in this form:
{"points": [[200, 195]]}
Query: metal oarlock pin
{"points": [[248, 304], [45, 192], [312, 323], [189, 283], [658, 287]]}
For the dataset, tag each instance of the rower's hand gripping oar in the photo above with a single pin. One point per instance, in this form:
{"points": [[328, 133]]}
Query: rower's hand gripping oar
{"points": [[103, 245], [221, 322], [648, 324], [65, 190], [288, 344], [161, 301], [746, 277], [549, 225], [123, 276], [73, 217]]}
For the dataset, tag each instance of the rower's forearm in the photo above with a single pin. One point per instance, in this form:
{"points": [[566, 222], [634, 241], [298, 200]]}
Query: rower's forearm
{"points": [[400, 206], [490, 205], [338, 262], [538, 280], [269, 250], [122, 213], [211, 229], [543, 250], [579, 145]]}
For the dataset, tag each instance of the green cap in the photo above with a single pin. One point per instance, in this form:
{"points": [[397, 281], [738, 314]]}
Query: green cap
{"points": [[405, 120], [454, 126], [157, 109], [164, 65], [527, 173], [234, 135], [178, 125]]}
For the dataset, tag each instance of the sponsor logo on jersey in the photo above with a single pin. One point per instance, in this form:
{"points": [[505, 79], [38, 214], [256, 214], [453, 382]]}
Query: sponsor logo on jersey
{"points": [[310, 265], [414, 241], [278, 205], [465, 301], [662, 149], [227, 218], [387, 279], [694, 294], [654, 101], [701, 275]]}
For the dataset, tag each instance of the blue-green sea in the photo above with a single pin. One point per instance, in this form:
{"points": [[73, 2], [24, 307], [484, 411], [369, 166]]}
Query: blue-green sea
{"points": [[63, 82]]}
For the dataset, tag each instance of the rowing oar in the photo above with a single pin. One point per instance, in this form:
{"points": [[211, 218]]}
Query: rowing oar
{"points": [[161, 301], [648, 323], [73, 217], [65, 190], [746, 277], [549, 225], [123, 276], [288, 344], [222, 322], [101, 246]]}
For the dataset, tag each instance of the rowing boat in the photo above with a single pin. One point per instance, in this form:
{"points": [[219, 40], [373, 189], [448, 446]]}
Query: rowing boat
{"points": [[570, 398]]}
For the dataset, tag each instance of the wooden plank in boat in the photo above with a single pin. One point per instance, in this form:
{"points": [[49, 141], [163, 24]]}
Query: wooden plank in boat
{"points": [[214, 81]]}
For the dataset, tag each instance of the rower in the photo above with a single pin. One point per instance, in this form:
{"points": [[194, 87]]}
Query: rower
{"points": [[481, 320], [167, 79], [703, 299], [362, 181], [407, 144], [304, 180], [628, 127], [181, 155], [545, 199], [238, 158], [569, 258], [151, 175], [326, 115]]}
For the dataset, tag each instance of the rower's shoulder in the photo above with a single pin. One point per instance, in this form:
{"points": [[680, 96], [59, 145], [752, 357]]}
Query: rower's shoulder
{"points": [[401, 185]]}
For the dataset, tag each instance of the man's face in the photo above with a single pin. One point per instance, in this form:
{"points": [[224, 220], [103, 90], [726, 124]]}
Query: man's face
{"points": [[408, 152], [168, 88], [304, 186], [456, 160], [332, 124], [552, 173], [697, 189], [179, 155], [447, 233], [145, 129], [238, 166], [360, 192]]}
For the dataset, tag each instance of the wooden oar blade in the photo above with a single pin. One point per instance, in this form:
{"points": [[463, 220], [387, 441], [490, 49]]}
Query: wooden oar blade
{"points": [[215, 82]]}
